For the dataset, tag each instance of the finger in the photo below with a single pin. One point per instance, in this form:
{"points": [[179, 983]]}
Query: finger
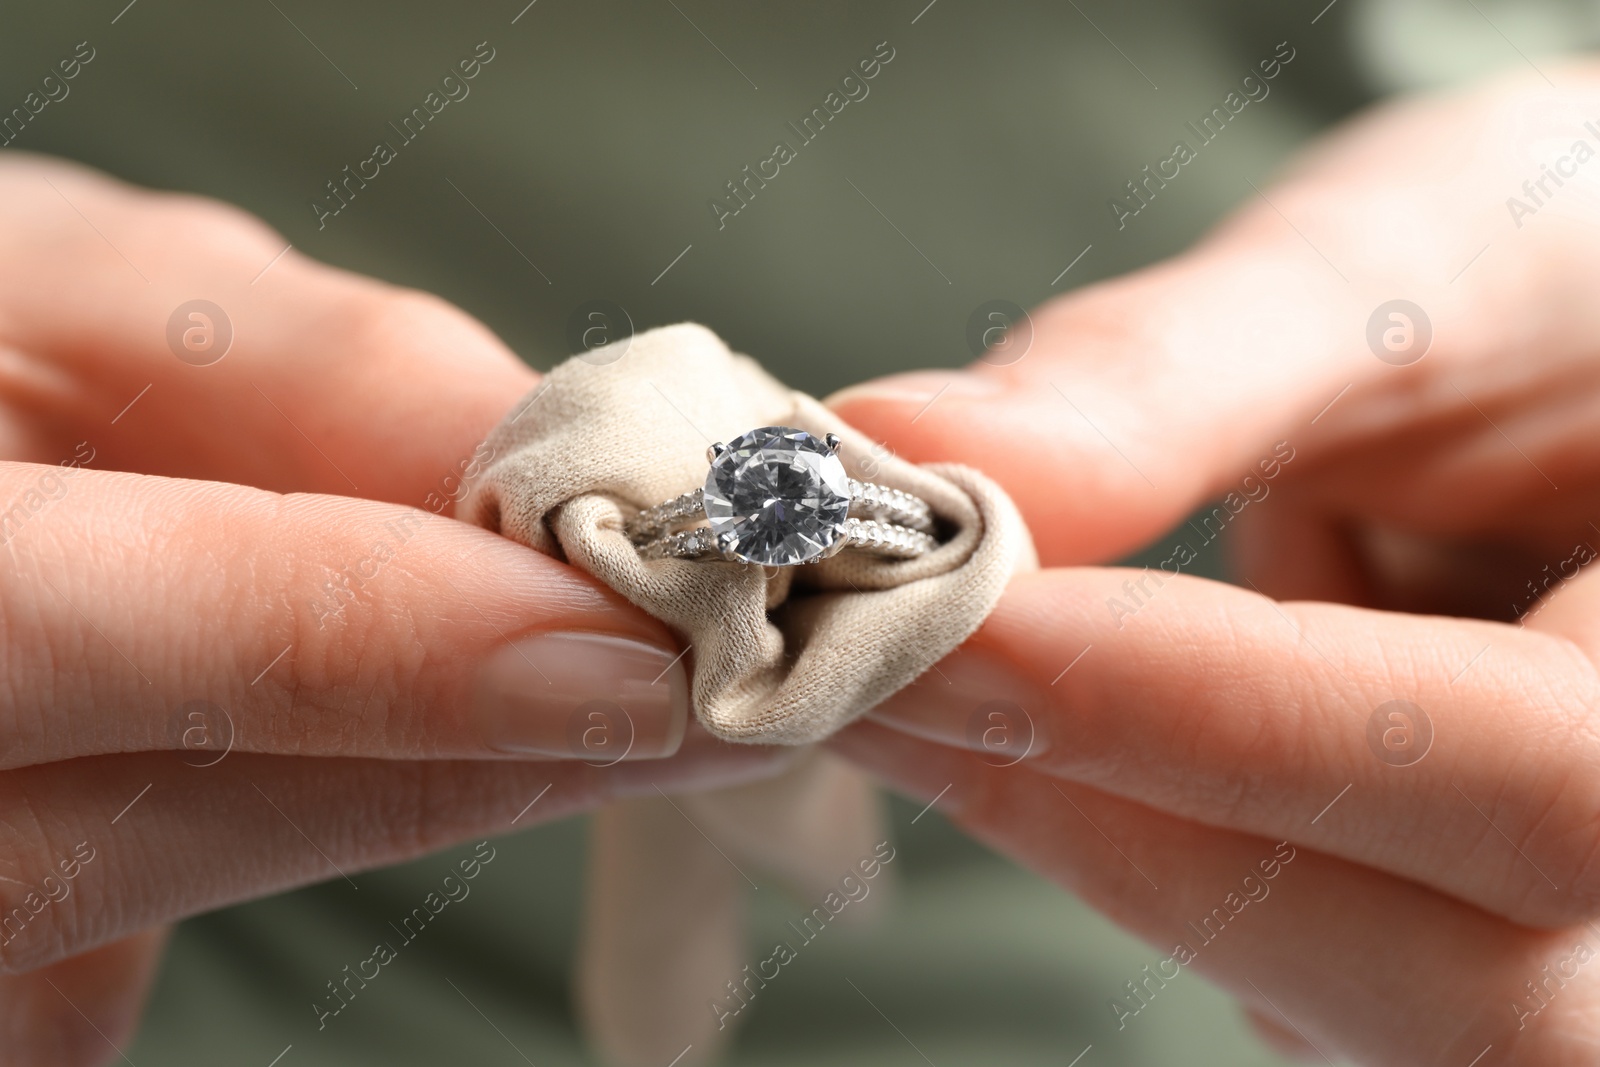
{"points": [[1568, 605], [81, 1011], [1219, 705], [1121, 420], [331, 382], [148, 839], [140, 613], [1297, 551], [1270, 923], [1142, 397], [1291, 552]]}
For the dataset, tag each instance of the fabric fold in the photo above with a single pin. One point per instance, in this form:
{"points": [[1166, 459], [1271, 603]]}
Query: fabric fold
{"points": [[782, 656]]}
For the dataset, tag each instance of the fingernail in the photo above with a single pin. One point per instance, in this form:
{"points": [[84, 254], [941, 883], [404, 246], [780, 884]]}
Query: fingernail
{"points": [[919, 387], [972, 700], [585, 696]]}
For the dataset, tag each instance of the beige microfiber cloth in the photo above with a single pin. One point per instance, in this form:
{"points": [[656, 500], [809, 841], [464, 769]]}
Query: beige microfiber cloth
{"points": [[779, 656]]}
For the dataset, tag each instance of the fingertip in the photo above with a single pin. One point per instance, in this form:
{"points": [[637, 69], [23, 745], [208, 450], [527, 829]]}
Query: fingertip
{"points": [[921, 415], [914, 387], [67, 1013], [1076, 463], [578, 695]]}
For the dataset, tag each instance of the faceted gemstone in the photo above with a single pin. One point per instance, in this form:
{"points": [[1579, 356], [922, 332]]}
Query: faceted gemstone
{"points": [[782, 495]]}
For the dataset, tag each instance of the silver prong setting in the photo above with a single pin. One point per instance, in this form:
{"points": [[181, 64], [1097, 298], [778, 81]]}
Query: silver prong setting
{"points": [[733, 517]]}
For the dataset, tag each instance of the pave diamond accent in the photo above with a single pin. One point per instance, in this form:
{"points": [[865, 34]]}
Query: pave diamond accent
{"points": [[896, 542], [685, 544], [890, 505], [777, 496]]}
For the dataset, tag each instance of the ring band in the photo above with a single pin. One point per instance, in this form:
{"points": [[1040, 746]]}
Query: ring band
{"points": [[779, 496]]}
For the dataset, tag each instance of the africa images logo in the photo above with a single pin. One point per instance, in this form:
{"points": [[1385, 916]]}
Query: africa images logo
{"points": [[853, 887], [1566, 166], [452, 89], [852, 87], [1142, 191]]}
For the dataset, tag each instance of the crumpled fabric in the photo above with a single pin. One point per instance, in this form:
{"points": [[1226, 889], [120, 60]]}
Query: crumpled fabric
{"points": [[782, 656]]}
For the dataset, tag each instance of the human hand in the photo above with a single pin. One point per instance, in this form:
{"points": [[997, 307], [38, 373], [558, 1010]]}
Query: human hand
{"points": [[1427, 510], [225, 674]]}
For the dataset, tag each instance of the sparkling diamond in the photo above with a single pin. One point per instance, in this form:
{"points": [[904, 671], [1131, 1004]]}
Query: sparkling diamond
{"points": [[781, 493]]}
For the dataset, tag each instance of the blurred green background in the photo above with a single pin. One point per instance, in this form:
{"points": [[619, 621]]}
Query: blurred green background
{"points": [[580, 168]]}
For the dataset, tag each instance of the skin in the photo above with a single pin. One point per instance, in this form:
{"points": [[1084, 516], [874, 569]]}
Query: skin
{"points": [[184, 556], [1389, 561], [1190, 741]]}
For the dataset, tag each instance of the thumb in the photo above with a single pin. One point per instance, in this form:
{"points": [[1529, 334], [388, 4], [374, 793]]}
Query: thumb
{"points": [[1137, 399], [1303, 316]]}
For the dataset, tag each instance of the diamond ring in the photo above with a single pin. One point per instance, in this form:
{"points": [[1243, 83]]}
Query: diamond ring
{"points": [[780, 497]]}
